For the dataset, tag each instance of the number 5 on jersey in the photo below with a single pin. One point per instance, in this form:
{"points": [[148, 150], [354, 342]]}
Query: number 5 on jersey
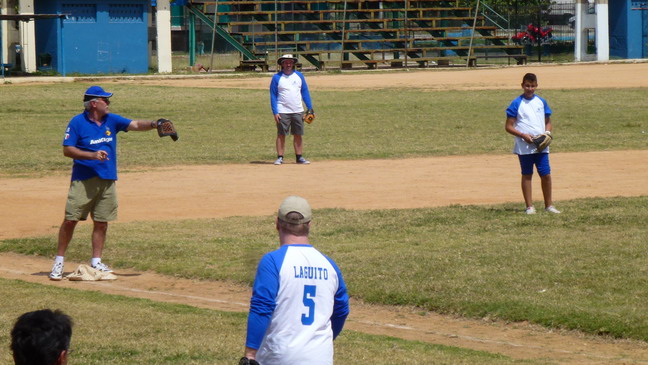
{"points": [[309, 294]]}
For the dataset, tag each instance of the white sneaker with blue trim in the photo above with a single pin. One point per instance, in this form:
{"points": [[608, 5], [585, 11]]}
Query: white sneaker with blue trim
{"points": [[57, 271], [552, 209], [303, 161], [101, 267]]}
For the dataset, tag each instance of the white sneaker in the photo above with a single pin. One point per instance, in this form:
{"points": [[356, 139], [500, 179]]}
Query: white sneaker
{"points": [[101, 267], [57, 271], [530, 210], [552, 209], [279, 161], [303, 161]]}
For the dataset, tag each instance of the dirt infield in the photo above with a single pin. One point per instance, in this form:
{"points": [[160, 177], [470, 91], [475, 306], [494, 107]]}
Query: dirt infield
{"points": [[35, 207], [570, 76]]}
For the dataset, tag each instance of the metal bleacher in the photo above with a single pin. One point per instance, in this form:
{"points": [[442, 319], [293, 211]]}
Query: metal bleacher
{"points": [[366, 33]]}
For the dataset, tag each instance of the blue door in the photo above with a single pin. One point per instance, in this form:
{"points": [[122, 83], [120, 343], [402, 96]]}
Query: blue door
{"points": [[105, 36], [98, 36]]}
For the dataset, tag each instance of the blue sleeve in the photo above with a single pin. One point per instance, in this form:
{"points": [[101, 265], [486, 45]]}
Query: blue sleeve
{"points": [[547, 109], [512, 110], [304, 92], [121, 123], [71, 134], [274, 92], [341, 303], [263, 302]]}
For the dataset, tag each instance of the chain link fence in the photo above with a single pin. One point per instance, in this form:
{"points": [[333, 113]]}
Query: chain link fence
{"points": [[518, 19]]}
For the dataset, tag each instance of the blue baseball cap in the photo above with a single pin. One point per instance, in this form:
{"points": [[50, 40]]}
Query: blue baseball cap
{"points": [[96, 92]]}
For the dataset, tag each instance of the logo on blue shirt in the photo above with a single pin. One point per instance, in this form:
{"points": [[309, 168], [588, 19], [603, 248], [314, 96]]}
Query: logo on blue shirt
{"points": [[101, 140]]}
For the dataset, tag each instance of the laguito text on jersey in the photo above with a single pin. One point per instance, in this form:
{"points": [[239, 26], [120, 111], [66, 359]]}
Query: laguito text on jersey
{"points": [[311, 272]]}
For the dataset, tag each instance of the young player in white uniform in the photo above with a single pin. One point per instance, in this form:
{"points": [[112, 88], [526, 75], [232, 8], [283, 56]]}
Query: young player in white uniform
{"points": [[529, 115], [299, 302]]}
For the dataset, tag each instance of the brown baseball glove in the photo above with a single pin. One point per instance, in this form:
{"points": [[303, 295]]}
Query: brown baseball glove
{"points": [[309, 116], [246, 361], [543, 140], [166, 128]]}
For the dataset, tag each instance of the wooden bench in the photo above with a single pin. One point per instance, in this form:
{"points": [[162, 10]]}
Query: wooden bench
{"points": [[520, 59], [251, 65]]}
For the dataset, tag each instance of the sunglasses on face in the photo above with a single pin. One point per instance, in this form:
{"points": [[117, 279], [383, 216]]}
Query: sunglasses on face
{"points": [[105, 100]]}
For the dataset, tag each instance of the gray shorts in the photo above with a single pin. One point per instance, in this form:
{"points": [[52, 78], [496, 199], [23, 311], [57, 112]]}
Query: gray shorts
{"points": [[292, 123], [96, 196]]}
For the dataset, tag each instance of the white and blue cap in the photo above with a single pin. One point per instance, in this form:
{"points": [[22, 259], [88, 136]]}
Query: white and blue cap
{"points": [[96, 92], [286, 57]]}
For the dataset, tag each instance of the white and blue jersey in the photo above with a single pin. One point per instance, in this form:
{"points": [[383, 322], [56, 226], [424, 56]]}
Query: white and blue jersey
{"points": [[530, 119], [299, 305], [86, 135], [287, 92]]}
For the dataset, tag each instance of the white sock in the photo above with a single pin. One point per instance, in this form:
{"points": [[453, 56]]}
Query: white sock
{"points": [[95, 260], [59, 259]]}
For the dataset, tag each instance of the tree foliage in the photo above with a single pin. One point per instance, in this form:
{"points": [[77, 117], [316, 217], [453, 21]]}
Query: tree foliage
{"points": [[515, 7], [519, 12]]}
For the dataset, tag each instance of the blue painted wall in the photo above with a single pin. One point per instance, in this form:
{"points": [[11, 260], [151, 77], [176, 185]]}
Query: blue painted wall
{"points": [[98, 36], [628, 28]]}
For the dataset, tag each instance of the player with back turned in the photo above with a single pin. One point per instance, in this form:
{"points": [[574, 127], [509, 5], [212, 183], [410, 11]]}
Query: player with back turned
{"points": [[91, 141], [527, 117], [299, 300]]}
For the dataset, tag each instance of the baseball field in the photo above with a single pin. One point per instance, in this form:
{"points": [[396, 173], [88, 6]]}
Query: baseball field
{"points": [[416, 196]]}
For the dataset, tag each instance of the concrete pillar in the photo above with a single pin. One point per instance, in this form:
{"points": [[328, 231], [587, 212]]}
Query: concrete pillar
{"points": [[163, 26], [602, 31], [578, 32], [28, 37], [4, 31]]}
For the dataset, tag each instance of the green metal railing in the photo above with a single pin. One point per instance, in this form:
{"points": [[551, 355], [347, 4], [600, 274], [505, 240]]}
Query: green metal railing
{"points": [[247, 54]]}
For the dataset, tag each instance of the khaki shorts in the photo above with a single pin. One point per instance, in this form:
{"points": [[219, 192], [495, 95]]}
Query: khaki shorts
{"points": [[96, 196]]}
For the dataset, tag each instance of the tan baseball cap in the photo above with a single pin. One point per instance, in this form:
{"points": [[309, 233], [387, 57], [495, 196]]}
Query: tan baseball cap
{"points": [[297, 204]]}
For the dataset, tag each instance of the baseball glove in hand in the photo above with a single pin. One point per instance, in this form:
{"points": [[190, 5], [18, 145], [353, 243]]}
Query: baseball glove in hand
{"points": [[543, 140], [309, 116], [246, 361], [166, 128]]}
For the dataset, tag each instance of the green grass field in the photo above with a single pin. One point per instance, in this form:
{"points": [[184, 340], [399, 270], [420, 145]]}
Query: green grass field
{"points": [[585, 271], [235, 126], [111, 329]]}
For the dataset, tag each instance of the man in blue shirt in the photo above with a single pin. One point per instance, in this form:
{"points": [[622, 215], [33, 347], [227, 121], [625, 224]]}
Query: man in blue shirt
{"points": [[299, 299], [90, 140]]}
